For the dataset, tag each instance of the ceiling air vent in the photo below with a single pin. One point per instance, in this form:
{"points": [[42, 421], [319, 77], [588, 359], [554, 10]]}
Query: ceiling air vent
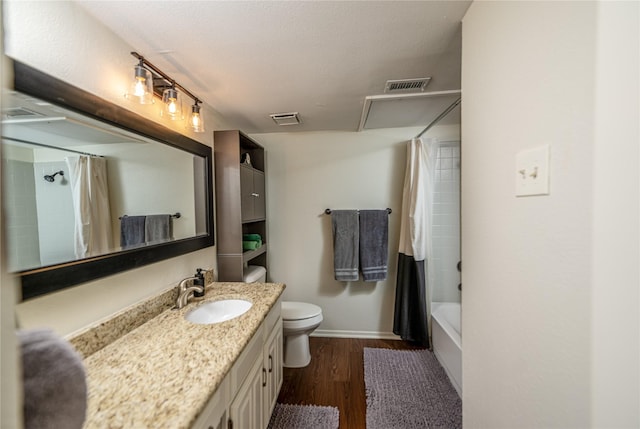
{"points": [[20, 113], [407, 85], [286, 118]]}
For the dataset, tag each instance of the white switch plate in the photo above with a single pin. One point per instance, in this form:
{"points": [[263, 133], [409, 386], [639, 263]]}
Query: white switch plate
{"points": [[532, 172]]}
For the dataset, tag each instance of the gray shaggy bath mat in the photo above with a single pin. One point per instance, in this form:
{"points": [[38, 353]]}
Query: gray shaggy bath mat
{"points": [[409, 389], [304, 417]]}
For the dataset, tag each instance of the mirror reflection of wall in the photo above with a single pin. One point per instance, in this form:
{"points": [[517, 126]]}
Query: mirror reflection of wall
{"points": [[142, 178]]}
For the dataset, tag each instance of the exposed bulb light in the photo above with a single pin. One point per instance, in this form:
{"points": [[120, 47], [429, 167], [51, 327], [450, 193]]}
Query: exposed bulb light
{"points": [[197, 121], [172, 105], [150, 80], [142, 85]]}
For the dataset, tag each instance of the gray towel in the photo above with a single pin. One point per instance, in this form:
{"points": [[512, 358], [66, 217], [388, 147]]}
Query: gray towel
{"points": [[131, 231], [158, 228], [55, 387], [345, 244], [374, 243]]}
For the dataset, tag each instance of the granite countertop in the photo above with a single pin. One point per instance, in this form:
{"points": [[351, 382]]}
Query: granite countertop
{"points": [[162, 373]]}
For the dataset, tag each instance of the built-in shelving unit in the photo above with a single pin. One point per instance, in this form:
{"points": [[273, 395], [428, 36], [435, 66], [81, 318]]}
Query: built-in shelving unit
{"points": [[240, 202]]}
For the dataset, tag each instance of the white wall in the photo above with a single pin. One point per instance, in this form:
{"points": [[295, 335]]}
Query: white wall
{"points": [[54, 213], [160, 167], [550, 297], [615, 322], [310, 172], [10, 392], [62, 40], [20, 209]]}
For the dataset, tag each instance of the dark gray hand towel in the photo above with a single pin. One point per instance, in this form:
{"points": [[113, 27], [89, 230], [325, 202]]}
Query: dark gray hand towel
{"points": [[158, 228], [374, 244], [345, 244], [131, 231], [55, 387]]}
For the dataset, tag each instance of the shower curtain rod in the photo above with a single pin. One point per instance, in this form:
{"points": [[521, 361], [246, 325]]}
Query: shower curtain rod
{"points": [[440, 116], [50, 147]]}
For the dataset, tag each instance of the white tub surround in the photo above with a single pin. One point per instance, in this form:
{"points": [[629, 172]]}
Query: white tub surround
{"points": [[163, 372], [447, 340]]}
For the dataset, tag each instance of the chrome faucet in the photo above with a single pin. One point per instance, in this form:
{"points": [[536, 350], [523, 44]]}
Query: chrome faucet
{"points": [[184, 292]]}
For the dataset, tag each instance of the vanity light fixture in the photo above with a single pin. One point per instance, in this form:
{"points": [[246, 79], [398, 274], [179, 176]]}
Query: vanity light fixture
{"points": [[142, 85], [197, 121], [172, 103], [148, 76]]}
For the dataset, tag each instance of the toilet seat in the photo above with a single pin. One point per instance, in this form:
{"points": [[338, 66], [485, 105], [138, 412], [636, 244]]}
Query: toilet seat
{"points": [[292, 310], [302, 324]]}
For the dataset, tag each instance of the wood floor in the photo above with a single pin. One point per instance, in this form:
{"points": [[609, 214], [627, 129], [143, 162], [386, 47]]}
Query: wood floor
{"points": [[335, 377]]}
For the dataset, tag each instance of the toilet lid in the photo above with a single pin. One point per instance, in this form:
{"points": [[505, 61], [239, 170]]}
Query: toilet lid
{"points": [[299, 310]]}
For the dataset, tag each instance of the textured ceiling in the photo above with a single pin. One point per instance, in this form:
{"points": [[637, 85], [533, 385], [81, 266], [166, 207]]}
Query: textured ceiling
{"points": [[318, 58]]}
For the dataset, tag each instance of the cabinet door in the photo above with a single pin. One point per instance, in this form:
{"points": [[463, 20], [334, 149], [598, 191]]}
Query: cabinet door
{"points": [[273, 366], [246, 193], [259, 206], [214, 414], [246, 411]]}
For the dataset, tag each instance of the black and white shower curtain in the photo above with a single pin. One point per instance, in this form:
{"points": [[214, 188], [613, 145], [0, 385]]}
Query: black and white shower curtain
{"points": [[412, 315]]}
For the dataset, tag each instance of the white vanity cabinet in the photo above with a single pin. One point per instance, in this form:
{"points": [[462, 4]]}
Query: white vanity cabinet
{"points": [[248, 394], [214, 415], [258, 390], [272, 363]]}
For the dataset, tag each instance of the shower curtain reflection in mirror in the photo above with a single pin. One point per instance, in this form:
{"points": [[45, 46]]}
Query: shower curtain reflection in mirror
{"points": [[90, 194]]}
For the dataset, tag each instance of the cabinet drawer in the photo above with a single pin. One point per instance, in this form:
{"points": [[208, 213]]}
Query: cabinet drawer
{"points": [[272, 317]]}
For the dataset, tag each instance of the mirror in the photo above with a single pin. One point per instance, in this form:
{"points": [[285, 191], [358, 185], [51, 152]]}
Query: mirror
{"points": [[92, 189]]}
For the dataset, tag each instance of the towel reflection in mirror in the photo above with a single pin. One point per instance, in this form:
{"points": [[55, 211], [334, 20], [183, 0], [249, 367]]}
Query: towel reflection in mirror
{"points": [[150, 229]]}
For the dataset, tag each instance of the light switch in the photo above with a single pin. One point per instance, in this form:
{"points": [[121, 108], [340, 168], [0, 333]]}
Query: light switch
{"points": [[532, 172]]}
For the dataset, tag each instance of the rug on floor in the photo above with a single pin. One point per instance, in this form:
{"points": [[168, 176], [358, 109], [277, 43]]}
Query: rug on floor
{"points": [[409, 389], [287, 416]]}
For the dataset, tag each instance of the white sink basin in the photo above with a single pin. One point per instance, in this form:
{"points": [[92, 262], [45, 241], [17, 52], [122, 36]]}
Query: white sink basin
{"points": [[218, 311]]}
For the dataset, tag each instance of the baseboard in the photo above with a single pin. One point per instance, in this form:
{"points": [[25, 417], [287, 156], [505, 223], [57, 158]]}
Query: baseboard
{"points": [[355, 334]]}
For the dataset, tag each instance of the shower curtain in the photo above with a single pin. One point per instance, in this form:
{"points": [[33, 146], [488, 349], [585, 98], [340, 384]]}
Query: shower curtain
{"points": [[90, 193], [412, 313]]}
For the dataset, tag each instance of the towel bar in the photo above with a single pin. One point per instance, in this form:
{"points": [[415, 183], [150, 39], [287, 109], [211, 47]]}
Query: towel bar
{"points": [[177, 215], [328, 211]]}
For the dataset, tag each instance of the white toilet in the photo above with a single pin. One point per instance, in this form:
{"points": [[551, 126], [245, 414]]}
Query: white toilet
{"points": [[299, 320]]}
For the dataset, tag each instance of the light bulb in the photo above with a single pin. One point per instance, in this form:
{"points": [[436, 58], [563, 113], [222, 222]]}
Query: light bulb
{"points": [[141, 86], [197, 123], [172, 104], [172, 108]]}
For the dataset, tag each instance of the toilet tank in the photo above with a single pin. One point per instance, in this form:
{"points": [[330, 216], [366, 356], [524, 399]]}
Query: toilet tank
{"points": [[254, 274]]}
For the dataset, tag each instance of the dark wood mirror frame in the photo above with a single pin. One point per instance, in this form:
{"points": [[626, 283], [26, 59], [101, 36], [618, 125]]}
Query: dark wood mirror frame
{"points": [[30, 81]]}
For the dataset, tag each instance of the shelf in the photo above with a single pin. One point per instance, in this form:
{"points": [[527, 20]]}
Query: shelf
{"points": [[246, 222], [251, 254], [240, 203]]}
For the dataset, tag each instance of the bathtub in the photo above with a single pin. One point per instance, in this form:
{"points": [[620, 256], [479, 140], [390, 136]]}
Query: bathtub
{"points": [[447, 344]]}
